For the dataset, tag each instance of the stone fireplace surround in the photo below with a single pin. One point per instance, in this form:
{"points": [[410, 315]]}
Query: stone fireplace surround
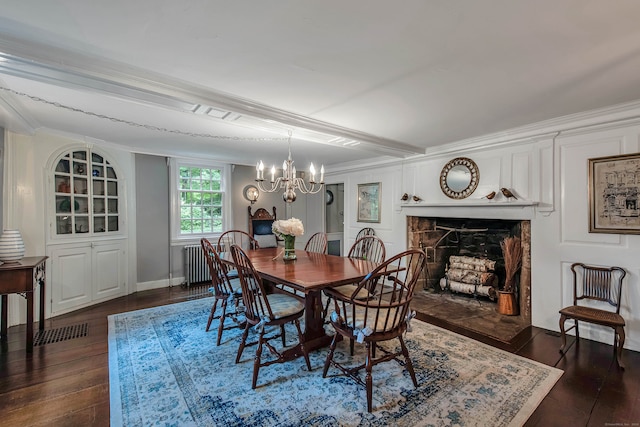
{"points": [[443, 236]]}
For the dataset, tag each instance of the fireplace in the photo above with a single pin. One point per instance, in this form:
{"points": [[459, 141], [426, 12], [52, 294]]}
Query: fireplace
{"points": [[465, 269]]}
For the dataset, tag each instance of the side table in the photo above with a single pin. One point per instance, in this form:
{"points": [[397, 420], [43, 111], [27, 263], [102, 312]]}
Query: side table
{"points": [[22, 278]]}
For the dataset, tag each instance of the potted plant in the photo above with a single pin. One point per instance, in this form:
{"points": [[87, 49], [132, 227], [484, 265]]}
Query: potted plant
{"points": [[512, 254]]}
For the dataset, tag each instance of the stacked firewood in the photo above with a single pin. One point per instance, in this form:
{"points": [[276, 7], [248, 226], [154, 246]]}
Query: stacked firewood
{"points": [[471, 275]]}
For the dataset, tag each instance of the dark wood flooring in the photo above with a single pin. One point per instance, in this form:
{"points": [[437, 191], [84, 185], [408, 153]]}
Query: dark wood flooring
{"points": [[67, 383]]}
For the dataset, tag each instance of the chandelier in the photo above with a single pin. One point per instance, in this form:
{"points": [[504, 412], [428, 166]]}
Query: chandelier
{"points": [[289, 181]]}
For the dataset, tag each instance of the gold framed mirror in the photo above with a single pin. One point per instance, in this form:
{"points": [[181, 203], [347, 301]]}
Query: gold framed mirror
{"points": [[459, 178]]}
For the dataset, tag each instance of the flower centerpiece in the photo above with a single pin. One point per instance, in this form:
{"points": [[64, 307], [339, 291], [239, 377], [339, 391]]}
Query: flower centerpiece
{"points": [[288, 229]]}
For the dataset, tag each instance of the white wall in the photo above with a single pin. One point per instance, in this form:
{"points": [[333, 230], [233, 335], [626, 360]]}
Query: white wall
{"points": [[547, 168]]}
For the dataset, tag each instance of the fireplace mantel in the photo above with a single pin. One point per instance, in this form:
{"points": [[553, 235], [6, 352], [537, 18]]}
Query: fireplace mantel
{"points": [[474, 203], [516, 209]]}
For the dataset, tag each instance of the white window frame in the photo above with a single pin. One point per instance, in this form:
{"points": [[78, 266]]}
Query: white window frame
{"points": [[174, 193]]}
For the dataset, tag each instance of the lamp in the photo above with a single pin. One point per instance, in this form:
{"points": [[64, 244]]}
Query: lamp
{"points": [[251, 193], [289, 181]]}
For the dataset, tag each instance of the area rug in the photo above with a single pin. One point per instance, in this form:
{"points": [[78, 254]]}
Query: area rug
{"points": [[165, 369]]}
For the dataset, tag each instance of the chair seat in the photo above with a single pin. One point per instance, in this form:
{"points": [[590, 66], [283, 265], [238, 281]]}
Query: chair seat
{"points": [[347, 291], [594, 315], [370, 322], [284, 305]]}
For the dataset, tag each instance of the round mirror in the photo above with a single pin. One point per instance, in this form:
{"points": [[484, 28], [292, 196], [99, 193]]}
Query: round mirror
{"points": [[459, 178], [329, 197]]}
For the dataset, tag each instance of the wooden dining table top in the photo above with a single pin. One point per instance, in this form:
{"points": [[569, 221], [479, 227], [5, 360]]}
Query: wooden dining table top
{"points": [[310, 272]]}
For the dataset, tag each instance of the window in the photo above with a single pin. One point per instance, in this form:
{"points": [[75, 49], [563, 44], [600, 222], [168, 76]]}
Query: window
{"points": [[199, 196]]}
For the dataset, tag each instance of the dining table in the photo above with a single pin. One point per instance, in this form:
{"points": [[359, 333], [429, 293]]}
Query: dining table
{"points": [[308, 274]]}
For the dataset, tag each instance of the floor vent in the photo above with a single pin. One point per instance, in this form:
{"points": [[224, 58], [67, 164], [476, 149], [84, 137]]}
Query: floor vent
{"points": [[60, 334]]}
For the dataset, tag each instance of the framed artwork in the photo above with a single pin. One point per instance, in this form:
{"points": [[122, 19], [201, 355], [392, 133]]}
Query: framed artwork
{"points": [[614, 191], [369, 202]]}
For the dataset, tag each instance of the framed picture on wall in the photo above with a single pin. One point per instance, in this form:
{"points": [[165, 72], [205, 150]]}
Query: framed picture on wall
{"points": [[614, 194], [369, 202]]}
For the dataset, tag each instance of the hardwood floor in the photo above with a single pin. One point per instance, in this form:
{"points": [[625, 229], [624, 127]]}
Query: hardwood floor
{"points": [[67, 383]]}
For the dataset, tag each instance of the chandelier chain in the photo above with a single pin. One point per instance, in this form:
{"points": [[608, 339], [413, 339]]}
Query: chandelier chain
{"points": [[135, 124]]}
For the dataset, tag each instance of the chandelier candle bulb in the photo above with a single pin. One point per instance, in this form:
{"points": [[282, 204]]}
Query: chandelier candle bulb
{"points": [[273, 173], [313, 173], [322, 174]]}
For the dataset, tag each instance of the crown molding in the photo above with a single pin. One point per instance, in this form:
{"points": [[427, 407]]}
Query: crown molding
{"points": [[56, 66]]}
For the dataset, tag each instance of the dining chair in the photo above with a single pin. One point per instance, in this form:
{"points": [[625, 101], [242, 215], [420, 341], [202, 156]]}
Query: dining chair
{"points": [[222, 287], [382, 317], [263, 310], [236, 237], [317, 243], [600, 285], [366, 231], [369, 248]]}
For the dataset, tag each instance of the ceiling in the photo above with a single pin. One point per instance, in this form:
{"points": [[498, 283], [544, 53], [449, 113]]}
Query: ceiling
{"points": [[351, 80]]}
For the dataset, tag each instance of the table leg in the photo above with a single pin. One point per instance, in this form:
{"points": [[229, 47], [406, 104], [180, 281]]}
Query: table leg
{"points": [[29, 322], [41, 323], [4, 318]]}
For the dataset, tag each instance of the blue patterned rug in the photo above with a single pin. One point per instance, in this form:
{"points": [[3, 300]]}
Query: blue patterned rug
{"points": [[165, 369]]}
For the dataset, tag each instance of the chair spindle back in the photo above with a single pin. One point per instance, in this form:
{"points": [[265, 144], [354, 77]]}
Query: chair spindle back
{"points": [[369, 248], [597, 283], [253, 294]]}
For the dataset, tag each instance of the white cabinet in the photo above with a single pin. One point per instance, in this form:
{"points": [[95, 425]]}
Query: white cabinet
{"points": [[86, 273], [87, 243]]}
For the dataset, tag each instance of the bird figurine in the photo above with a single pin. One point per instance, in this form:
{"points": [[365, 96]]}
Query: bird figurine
{"points": [[416, 199], [404, 197], [508, 194], [490, 195]]}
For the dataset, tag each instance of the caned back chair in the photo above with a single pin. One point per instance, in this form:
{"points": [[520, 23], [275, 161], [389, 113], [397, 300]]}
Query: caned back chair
{"points": [[223, 288], [382, 317], [317, 243], [602, 286], [263, 310]]}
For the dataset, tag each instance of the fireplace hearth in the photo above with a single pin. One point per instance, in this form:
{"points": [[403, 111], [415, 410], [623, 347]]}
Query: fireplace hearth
{"points": [[465, 269]]}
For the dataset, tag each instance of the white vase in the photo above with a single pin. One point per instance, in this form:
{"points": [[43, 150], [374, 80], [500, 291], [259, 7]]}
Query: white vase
{"points": [[11, 246]]}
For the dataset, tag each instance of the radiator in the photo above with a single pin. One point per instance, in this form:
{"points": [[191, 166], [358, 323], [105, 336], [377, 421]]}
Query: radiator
{"points": [[195, 265]]}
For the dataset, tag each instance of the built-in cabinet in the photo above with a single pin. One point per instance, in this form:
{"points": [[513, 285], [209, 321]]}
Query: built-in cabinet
{"points": [[85, 273], [87, 245]]}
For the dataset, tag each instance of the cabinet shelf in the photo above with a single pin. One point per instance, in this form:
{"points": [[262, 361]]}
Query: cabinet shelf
{"points": [[85, 194]]}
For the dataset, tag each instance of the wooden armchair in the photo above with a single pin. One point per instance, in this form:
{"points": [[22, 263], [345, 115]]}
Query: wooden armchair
{"points": [[369, 248], [260, 224], [601, 284], [224, 289], [263, 310], [382, 317]]}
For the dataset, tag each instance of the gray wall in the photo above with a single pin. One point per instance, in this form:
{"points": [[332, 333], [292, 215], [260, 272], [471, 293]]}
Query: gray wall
{"points": [[241, 177], [1, 177], [152, 218]]}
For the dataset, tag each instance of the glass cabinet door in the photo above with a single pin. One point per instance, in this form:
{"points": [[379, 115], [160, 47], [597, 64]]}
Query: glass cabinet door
{"points": [[86, 194]]}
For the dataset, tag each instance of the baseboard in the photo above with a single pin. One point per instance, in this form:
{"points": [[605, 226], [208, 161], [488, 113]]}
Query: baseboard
{"points": [[156, 284]]}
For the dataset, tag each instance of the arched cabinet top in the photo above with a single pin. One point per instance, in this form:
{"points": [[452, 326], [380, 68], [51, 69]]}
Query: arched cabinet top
{"points": [[86, 194]]}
